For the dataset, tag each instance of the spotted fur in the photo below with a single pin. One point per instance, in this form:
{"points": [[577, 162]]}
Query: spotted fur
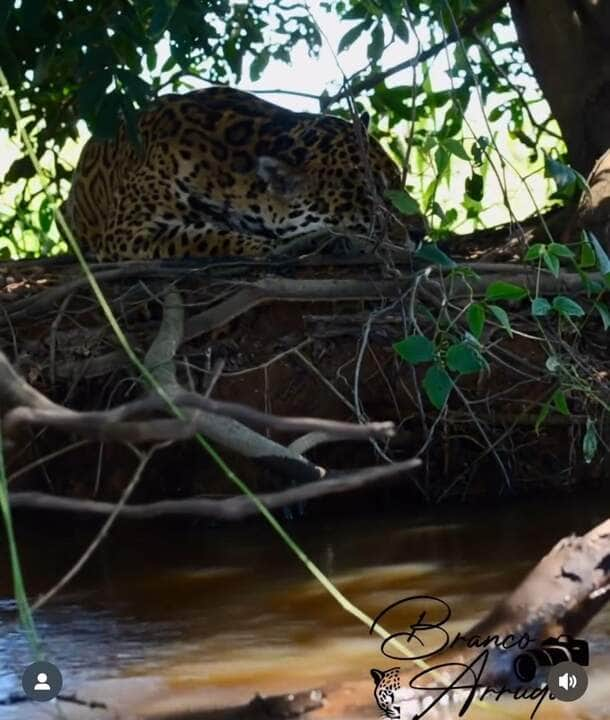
{"points": [[222, 172]]}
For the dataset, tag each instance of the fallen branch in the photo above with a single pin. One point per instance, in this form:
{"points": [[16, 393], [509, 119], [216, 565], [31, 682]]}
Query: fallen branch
{"points": [[112, 424], [271, 289], [272, 707], [562, 593], [219, 421], [16, 699], [232, 508]]}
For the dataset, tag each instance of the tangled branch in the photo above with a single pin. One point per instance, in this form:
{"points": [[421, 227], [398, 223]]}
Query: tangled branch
{"points": [[151, 420]]}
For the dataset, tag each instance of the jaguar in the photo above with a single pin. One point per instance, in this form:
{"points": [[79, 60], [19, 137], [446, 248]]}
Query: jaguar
{"points": [[220, 171], [396, 698]]}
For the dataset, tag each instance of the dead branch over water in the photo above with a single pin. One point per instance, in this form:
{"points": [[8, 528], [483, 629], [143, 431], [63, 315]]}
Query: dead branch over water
{"points": [[228, 423]]}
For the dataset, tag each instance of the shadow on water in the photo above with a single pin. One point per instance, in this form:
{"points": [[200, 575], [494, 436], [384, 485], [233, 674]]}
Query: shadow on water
{"points": [[229, 608]]}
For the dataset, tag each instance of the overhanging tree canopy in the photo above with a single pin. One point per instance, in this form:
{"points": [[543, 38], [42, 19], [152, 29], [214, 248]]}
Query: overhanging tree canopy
{"points": [[69, 60]]}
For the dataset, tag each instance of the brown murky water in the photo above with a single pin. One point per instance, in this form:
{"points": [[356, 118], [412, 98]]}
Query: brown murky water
{"points": [[168, 615]]}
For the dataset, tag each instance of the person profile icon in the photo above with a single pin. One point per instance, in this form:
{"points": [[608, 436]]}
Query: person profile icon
{"points": [[42, 684], [41, 681]]}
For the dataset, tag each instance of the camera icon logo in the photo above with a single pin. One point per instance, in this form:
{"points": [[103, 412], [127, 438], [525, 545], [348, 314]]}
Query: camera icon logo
{"points": [[551, 652]]}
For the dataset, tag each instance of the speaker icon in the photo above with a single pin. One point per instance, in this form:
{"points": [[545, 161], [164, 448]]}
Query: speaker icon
{"points": [[567, 681]]}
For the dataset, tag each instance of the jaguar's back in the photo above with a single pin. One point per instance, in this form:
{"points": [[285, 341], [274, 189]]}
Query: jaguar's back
{"points": [[222, 172]]}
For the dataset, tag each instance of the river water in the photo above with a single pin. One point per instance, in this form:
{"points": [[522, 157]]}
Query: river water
{"points": [[170, 615]]}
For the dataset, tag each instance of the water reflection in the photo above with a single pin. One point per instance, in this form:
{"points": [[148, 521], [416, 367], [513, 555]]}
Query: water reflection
{"points": [[230, 608]]}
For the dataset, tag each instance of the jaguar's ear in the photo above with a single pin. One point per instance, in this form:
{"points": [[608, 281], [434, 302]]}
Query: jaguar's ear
{"points": [[365, 119], [281, 178], [377, 675]]}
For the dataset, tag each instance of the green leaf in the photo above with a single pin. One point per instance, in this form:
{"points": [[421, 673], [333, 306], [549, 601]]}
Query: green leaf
{"points": [[151, 60], [589, 441], [568, 307], [464, 358], [259, 64], [502, 317], [164, 10], [131, 123], [456, 148], [474, 186], [540, 307], [500, 290], [535, 251], [431, 253], [449, 218], [588, 259], [476, 319], [441, 158], [20, 169], [375, 48], [560, 250], [562, 174], [604, 313], [551, 262], [352, 35], [46, 215], [478, 149], [135, 87], [106, 122], [496, 113], [396, 99], [470, 338], [170, 63], [404, 202], [542, 415], [400, 28], [415, 349], [560, 402], [603, 261], [437, 385]]}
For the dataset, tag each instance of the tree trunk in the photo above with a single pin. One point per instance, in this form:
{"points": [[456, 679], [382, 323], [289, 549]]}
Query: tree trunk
{"points": [[566, 42]]}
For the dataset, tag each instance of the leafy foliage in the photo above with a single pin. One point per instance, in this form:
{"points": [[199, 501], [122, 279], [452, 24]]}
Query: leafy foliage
{"points": [[456, 345], [71, 60]]}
